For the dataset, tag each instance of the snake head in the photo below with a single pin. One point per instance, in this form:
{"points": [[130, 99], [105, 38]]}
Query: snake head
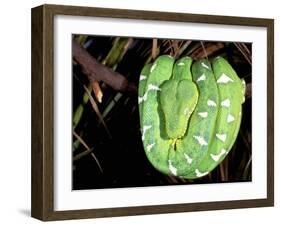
{"points": [[178, 99]]}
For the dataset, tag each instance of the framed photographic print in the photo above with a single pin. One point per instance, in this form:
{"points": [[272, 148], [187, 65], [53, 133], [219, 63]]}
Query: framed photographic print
{"points": [[141, 112]]}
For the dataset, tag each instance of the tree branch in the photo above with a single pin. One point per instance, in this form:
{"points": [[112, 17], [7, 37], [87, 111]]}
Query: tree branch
{"points": [[98, 72], [248, 93]]}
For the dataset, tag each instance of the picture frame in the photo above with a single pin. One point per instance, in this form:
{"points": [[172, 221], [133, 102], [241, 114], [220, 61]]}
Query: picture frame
{"points": [[44, 178]]}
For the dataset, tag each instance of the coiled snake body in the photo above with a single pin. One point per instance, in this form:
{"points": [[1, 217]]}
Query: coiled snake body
{"points": [[190, 114]]}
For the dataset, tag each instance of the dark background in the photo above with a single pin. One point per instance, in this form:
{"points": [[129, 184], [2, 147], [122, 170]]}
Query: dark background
{"points": [[116, 157]]}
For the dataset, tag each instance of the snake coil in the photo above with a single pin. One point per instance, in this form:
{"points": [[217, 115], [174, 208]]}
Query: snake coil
{"points": [[190, 114]]}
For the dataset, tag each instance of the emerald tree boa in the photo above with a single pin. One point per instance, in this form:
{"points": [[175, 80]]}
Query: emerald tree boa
{"points": [[190, 114]]}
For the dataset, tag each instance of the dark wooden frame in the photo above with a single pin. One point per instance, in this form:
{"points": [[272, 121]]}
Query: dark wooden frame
{"points": [[42, 203]]}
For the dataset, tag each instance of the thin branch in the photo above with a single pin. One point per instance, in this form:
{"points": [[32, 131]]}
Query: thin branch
{"points": [[81, 140], [244, 52], [97, 161], [246, 49], [88, 150], [210, 49], [182, 48], [82, 154], [248, 93], [97, 111], [222, 172], [97, 91], [247, 167], [98, 72], [154, 48], [203, 47]]}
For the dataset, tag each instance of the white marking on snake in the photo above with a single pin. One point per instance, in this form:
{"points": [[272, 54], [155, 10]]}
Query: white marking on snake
{"points": [[142, 77], [225, 103], [188, 159], [203, 114], [230, 118], [211, 103], [200, 140], [221, 136], [172, 168], [143, 98], [153, 67], [149, 147], [218, 156], [152, 87], [149, 88], [224, 79], [240, 113], [185, 111], [199, 174], [170, 56], [204, 65], [181, 64], [140, 99], [201, 78], [145, 128]]}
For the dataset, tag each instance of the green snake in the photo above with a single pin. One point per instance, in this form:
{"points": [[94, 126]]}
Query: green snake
{"points": [[190, 114]]}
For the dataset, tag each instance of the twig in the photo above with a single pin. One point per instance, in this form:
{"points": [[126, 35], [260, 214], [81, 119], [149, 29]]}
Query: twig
{"points": [[247, 167], [87, 149], [82, 154], [98, 72], [92, 154], [222, 172], [244, 51], [175, 45], [81, 140], [96, 109], [248, 93], [97, 91], [182, 48], [210, 49], [154, 48], [203, 47]]}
